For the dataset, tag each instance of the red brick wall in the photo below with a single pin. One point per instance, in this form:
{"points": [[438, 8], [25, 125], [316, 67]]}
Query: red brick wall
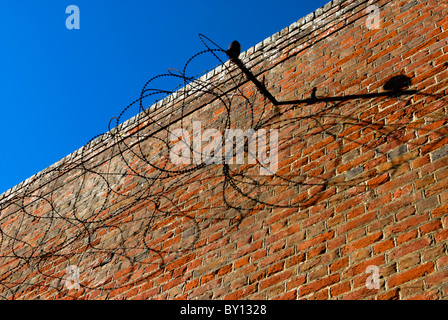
{"points": [[361, 181]]}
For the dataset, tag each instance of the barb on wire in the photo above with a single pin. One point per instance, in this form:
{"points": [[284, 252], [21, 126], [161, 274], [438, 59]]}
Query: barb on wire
{"points": [[106, 205]]}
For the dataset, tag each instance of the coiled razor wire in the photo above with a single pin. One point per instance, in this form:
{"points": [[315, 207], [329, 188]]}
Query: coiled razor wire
{"points": [[108, 209]]}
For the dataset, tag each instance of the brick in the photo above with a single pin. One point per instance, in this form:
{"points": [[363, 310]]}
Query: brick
{"points": [[440, 211], [441, 262], [405, 237], [435, 148], [318, 285], [383, 246], [428, 203], [401, 204], [354, 172], [409, 261], [315, 241], [239, 294], [393, 294], [441, 236], [380, 201], [340, 264], [180, 262], [430, 227], [377, 181], [419, 48], [276, 268], [433, 252], [295, 282], [364, 219], [410, 247], [224, 270], [340, 288], [411, 274], [361, 243], [397, 152], [241, 262], [361, 267], [350, 203], [292, 295], [424, 182], [436, 188], [280, 277], [280, 255], [257, 276], [430, 295], [397, 182], [295, 259], [406, 224]]}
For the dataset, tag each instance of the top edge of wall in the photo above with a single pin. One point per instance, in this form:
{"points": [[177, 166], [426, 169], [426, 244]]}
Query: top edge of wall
{"points": [[245, 56]]}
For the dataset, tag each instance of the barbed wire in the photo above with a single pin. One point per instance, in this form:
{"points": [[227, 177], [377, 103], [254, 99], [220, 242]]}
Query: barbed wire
{"points": [[108, 207]]}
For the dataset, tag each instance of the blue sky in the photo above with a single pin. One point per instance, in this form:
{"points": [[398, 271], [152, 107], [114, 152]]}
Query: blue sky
{"points": [[60, 87]]}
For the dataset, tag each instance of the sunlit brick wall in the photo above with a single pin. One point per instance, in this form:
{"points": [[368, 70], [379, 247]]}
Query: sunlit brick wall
{"points": [[355, 209]]}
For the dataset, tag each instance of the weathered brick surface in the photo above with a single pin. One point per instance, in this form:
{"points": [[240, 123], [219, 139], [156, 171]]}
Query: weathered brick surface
{"points": [[361, 181]]}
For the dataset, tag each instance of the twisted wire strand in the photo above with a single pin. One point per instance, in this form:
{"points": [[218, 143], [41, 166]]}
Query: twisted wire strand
{"points": [[127, 190]]}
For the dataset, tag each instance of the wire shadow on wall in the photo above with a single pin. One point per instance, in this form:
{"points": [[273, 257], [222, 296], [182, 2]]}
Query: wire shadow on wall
{"points": [[109, 207]]}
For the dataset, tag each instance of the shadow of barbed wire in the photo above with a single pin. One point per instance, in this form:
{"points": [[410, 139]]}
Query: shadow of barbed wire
{"points": [[115, 206]]}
